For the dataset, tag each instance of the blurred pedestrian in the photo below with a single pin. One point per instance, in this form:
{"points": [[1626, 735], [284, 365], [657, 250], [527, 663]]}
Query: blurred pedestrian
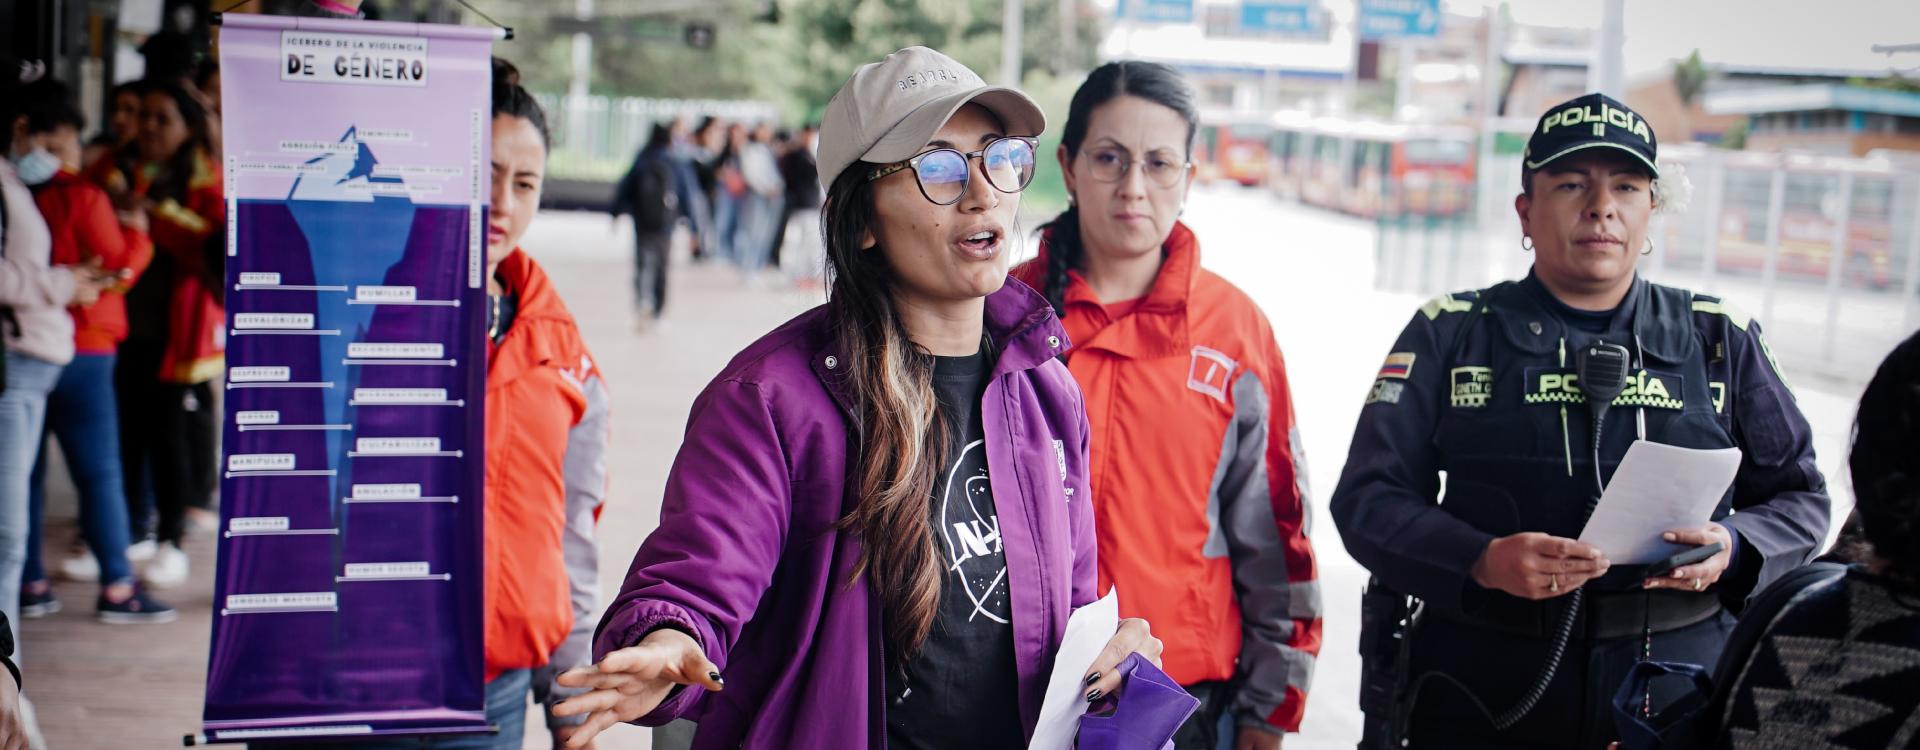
{"points": [[34, 325], [690, 192], [761, 210], [174, 349], [1206, 534], [730, 194], [704, 151], [832, 530], [123, 124], [805, 256], [81, 411], [648, 194]]}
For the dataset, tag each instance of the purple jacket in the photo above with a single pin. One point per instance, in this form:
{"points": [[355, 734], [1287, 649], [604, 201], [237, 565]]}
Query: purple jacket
{"points": [[747, 559]]}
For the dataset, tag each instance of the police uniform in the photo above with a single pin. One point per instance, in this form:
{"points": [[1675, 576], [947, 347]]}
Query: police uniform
{"points": [[1481, 386]]}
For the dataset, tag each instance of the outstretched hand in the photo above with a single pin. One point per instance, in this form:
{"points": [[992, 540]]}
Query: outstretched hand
{"points": [[632, 682]]}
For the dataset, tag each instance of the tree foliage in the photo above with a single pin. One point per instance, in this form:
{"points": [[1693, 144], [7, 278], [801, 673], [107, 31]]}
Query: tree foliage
{"points": [[796, 61]]}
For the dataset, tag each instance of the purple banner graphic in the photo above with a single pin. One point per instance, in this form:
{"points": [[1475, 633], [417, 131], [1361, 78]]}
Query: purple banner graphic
{"points": [[349, 595]]}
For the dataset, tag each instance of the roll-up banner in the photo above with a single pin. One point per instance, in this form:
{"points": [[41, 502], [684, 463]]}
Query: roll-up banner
{"points": [[349, 593]]}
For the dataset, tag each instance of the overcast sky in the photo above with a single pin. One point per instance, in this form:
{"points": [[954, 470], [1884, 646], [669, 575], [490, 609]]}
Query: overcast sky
{"points": [[1782, 33]]}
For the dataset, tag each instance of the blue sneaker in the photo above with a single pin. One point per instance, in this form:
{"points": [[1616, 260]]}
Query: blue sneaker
{"points": [[138, 609], [35, 605]]}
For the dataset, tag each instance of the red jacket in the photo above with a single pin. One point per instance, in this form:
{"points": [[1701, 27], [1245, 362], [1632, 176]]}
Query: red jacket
{"points": [[547, 434], [84, 228], [1198, 482], [196, 340]]}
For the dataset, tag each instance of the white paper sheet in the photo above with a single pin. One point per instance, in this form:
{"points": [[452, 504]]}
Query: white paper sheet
{"points": [[1088, 631], [1656, 488]]}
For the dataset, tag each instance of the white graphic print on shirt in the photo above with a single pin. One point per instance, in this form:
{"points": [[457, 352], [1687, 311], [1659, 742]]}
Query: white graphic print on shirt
{"points": [[972, 538]]}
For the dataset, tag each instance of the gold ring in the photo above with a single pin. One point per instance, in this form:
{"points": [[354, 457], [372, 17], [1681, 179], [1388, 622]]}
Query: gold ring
{"points": [[1699, 583], [1553, 583]]}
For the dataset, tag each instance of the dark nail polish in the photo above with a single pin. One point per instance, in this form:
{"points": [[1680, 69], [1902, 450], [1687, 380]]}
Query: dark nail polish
{"points": [[1091, 678], [1093, 695], [715, 676]]}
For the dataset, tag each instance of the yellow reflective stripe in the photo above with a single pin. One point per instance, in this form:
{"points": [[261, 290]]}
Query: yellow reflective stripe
{"points": [[1738, 317], [1775, 364], [1445, 303], [178, 214], [1566, 440]]}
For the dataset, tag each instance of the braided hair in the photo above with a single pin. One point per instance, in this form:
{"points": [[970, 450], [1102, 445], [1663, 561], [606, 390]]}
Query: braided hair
{"points": [[1154, 82]]}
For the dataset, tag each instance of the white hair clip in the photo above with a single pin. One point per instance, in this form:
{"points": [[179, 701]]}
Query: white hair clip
{"points": [[1672, 191]]}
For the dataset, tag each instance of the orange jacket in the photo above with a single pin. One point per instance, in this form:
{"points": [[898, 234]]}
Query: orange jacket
{"points": [[84, 228], [1198, 481], [547, 432]]}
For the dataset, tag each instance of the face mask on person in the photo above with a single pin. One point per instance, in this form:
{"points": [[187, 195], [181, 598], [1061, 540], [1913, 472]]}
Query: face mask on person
{"points": [[36, 166]]}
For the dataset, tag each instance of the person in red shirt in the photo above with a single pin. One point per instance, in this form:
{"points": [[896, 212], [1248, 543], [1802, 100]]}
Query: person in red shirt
{"points": [[174, 346], [81, 411]]}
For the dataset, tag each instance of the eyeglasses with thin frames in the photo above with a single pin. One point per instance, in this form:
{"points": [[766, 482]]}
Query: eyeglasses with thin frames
{"points": [[943, 173], [1108, 164]]}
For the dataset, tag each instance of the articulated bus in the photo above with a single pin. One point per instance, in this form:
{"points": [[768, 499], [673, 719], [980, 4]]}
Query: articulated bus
{"points": [[1369, 168], [1232, 147]]}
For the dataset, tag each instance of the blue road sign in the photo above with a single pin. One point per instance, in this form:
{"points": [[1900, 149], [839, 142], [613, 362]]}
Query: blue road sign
{"points": [[1390, 19], [1158, 11], [1278, 16]]}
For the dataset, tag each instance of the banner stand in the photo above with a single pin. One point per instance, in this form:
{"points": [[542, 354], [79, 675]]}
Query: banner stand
{"points": [[349, 589]]}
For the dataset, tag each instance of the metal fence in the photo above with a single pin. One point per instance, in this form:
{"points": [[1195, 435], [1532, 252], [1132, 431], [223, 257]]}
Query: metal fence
{"points": [[595, 137], [1824, 251]]}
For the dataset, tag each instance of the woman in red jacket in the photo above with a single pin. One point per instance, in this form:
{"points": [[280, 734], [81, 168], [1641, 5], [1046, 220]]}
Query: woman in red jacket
{"points": [[81, 411], [1198, 487], [174, 346]]}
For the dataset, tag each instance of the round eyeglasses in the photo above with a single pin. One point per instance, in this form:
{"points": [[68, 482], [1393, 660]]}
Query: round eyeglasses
{"points": [[943, 173], [1112, 165]]}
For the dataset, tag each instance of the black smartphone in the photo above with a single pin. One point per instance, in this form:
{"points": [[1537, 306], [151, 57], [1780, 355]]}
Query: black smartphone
{"points": [[1683, 559]]}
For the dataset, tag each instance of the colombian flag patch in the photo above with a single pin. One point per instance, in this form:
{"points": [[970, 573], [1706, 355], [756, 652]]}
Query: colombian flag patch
{"points": [[1398, 365]]}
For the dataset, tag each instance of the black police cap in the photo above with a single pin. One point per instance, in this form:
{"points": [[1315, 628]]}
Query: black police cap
{"points": [[1591, 121]]}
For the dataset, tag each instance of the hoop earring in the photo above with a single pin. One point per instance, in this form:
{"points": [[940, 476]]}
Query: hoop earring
{"points": [[1526, 243], [1649, 250]]}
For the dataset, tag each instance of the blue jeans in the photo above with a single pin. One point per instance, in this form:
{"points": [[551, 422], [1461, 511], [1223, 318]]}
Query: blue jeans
{"points": [[760, 217], [83, 416], [506, 708], [23, 411], [727, 217]]}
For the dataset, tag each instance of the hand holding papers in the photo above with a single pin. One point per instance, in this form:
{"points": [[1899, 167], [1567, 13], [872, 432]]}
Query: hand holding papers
{"points": [[1658, 487], [1088, 631]]}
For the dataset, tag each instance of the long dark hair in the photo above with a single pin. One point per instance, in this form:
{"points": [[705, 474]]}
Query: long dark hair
{"points": [[1154, 82], [177, 171], [659, 137], [1884, 466], [900, 431], [511, 100]]}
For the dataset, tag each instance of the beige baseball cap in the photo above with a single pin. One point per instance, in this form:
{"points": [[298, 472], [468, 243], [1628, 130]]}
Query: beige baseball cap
{"points": [[890, 109]]}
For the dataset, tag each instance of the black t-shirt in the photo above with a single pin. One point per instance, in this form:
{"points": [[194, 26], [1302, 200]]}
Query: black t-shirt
{"points": [[959, 691], [1590, 322]]}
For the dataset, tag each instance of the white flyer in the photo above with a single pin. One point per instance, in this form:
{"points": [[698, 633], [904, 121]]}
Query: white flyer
{"points": [[1658, 487], [1088, 631]]}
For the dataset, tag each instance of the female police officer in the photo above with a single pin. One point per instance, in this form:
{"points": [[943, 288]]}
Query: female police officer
{"points": [[1485, 386]]}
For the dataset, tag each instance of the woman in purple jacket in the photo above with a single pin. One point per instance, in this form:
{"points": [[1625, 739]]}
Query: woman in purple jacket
{"points": [[878, 522]]}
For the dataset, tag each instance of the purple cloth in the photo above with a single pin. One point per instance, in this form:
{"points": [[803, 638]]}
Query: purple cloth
{"points": [[1142, 715], [748, 559]]}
